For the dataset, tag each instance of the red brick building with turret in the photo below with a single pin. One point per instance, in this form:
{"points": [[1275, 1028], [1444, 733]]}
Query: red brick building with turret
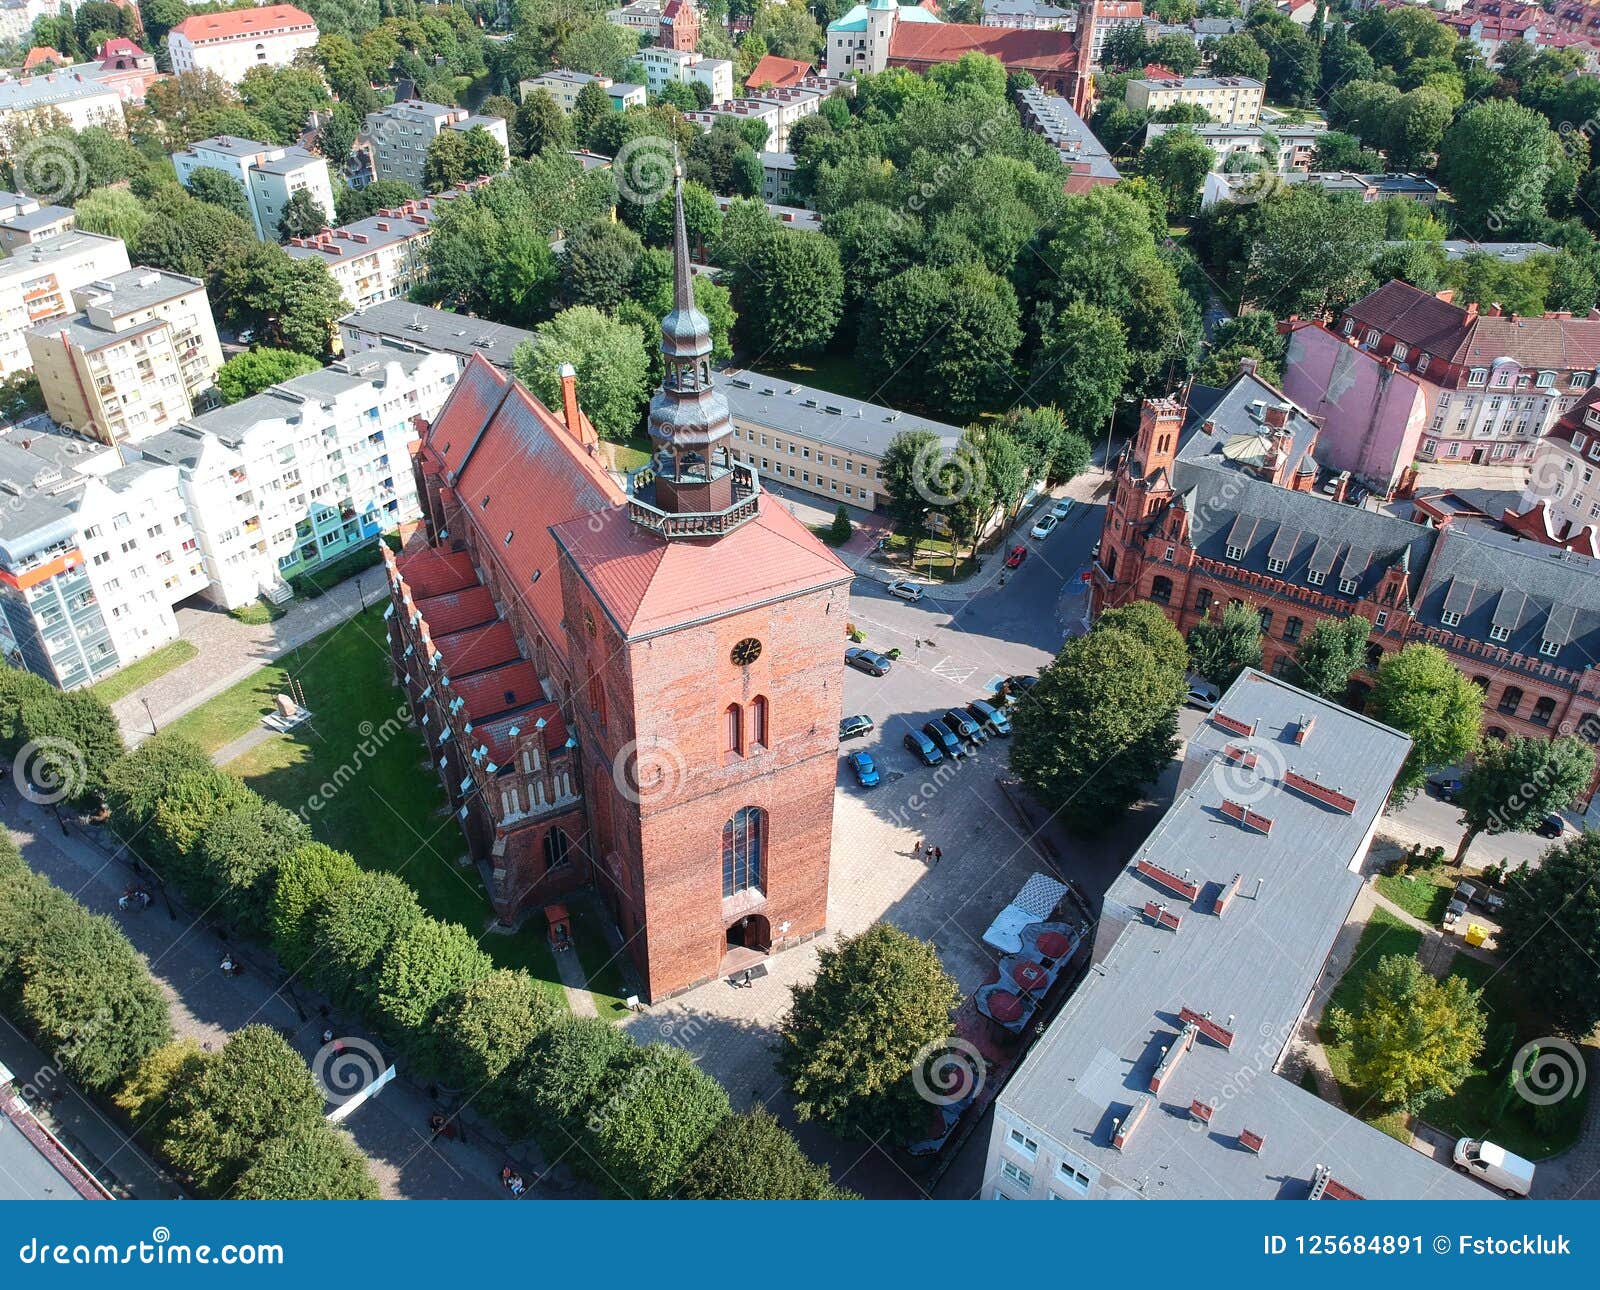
{"points": [[631, 686]]}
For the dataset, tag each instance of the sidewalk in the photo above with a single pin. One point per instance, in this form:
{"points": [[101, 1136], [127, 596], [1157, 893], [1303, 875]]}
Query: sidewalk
{"points": [[230, 651], [207, 1006]]}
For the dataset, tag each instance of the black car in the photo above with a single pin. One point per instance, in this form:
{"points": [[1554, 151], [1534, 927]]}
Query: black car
{"points": [[1552, 826], [924, 749], [940, 734], [1447, 787], [866, 660], [964, 726], [856, 727]]}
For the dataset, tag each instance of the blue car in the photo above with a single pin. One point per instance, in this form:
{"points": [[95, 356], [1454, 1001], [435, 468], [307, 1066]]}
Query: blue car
{"points": [[866, 771]]}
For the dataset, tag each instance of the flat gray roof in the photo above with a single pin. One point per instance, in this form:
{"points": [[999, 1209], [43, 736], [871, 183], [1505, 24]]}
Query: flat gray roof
{"points": [[1250, 969], [1200, 83], [782, 405], [140, 288], [41, 218], [438, 329], [293, 158], [25, 1174], [41, 91]]}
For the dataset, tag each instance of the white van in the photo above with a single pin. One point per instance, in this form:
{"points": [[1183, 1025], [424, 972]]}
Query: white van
{"points": [[1495, 1166]]}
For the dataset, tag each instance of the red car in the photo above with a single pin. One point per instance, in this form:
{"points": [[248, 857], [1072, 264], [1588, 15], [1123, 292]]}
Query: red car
{"points": [[1017, 556]]}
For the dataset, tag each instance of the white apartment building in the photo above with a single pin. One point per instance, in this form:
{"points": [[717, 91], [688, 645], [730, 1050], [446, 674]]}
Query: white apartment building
{"points": [[23, 221], [777, 176], [306, 471], [380, 257], [135, 359], [231, 43], [663, 67], [643, 18], [564, 87], [1565, 481], [1231, 100], [1294, 148], [397, 137], [94, 555], [1030, 15], [65, 98], [37, 282], [422, 327], [267, 174]]}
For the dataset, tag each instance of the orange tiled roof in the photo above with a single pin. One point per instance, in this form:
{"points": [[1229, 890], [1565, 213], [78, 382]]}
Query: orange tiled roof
{"points": [[778, 72], [238, 23], [1013, 46]]}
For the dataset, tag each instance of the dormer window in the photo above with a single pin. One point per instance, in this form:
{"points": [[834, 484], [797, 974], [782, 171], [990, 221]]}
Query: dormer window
{"points": [[1275, 566], [1578, 440], [1547, 380], [1348, 586], [1399, 352], [1549, 649], [1450, 618], [1580, 380], [1316, 577], [1477, 376], [1422, 362], [1372, 336], [1235, 553], [1349, 326], [1499, 633]]}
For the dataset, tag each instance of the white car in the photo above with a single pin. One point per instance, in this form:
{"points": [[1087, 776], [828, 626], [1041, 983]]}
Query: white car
{"points": [[1062, 509], [1493, 1164], [1045, 527], [1202, 694], [905, 590]]}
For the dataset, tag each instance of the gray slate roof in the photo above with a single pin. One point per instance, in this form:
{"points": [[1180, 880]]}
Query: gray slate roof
{"points": [[779, 404], [438, 329], [1256, 963]]}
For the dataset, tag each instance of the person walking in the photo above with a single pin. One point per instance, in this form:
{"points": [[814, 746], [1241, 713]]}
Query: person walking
{"points": [[938, 854], [927, 855]]}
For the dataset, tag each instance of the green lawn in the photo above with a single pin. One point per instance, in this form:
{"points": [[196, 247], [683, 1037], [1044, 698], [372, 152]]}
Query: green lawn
{"points": [[934, 558], [357, 772], [121, 684], [1423, 895], [1483, 1106]]}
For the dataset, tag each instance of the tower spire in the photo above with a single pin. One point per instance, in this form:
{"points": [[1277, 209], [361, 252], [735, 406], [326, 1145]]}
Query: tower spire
{"points": [[682, 279]]}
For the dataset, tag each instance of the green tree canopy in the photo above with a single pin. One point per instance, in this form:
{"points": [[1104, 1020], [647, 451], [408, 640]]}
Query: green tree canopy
{"points": [[1420, 692], [1550, 932], [309, 1162], [610, 362], [750, 1157], [1222, 648], [1515, 783], [258, 369], [1330, 654]]}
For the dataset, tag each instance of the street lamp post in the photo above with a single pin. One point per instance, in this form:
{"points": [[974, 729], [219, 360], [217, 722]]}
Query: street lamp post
{"points": [[148, 713]]}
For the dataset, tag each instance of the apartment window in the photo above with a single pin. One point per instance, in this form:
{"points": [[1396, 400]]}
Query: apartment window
{"points": [[1549, 649], [1547, 380], [1382, 619], [1017, 1174], [1477, 376], [1499, 633], [1450, 618], [1275, 566], [1292, 629], [1073, 1177], [1578, 441], [1266, 622], [1235, 553], [1372, 336], [1316, 577], [1020, 1141]]}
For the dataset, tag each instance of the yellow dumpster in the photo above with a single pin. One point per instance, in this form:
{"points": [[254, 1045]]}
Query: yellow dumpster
{"points": [[1477, 934]]}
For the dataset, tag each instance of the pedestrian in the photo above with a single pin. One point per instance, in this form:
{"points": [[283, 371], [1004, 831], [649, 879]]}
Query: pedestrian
{"points": [[327, 1034], [938, 854], [916, 849], [927, 854]]}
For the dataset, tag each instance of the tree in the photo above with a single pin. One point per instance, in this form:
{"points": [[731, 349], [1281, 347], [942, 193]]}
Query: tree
{"points": [[569, 1071], [1416, 128], [1337, 150], [1550, 932], [609, 359], [254, 1090], [307, 876], [750, 1157], [789, 294], [445, 166], [185, 809], [74, 741], [988, 475], [591, 107], [599, 49], [1101, 723], [310, 1162], [115, 212], [1496, 161], [136, 783], [1515, 783], [1237, 54], [240, 852], [661, 1113], [482, 153], [788, 30], [303, 216], [1330, 653], [294, 302], [854, 1035], [909, 470], [840, 530], [355, 926], [1177, 160], [1144, 620], [1082, 366], [1412, 1038], [1313, 252], [940, 338], [258, 369], [1222, 649], [598, 262], [208, 184], [425, 963], [1420, 693], [382, 194], [284, 98], [540, 125], [490, 1023]]}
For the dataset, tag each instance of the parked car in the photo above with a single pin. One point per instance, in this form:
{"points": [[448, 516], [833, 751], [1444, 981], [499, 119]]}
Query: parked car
{"points": [[1094, 551], [1018, 555], [1202, 694], [867, 660], [924, 749], [866, 771], [905, 590], [856, 727], [989, 717], [1446, 786], [964, 726], [1062, 509], [1493, 1164], [942, 736], [1045, 527], [1552, 826], [1014, 688]]}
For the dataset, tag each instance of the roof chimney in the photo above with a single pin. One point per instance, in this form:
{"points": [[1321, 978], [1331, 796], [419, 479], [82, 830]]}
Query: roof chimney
{"points": [[1448, 295], [1277, 415], [571, 414], [1247, 366], [1493, 311]]}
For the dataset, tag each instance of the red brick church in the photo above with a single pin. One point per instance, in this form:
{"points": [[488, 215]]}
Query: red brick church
{"points": [[633, 685]]}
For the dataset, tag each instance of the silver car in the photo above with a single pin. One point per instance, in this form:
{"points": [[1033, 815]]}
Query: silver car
{"points": [[905, 590]]}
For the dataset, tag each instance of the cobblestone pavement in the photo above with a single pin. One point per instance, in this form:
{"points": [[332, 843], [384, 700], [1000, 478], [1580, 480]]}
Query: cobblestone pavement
{"points": [[230, 651], [207, 1006]]}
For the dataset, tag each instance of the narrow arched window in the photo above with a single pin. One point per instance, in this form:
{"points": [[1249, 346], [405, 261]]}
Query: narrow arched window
{"points": [[744, 842], [733, 730], [758, 722]]}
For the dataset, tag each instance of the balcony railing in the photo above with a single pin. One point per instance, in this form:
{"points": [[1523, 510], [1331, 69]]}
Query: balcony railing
{"points": [[643, 511]]}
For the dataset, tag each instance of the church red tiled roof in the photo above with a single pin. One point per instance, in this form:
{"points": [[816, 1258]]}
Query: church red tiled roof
{"points": [[648, 584], [456, 610], [1015, 47], [431, 572], [476, 648]]}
